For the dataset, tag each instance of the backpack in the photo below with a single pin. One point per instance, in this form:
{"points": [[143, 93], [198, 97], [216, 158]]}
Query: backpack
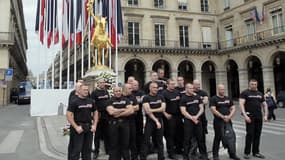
{"points": [[229, 137], [270, 102]]}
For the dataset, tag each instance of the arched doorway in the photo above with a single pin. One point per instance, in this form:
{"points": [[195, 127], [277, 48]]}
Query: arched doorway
{"points": [[136, 68], [185, 69], [209, 78], [163, 64], [254, 68], [279, 71], [233, 79]]}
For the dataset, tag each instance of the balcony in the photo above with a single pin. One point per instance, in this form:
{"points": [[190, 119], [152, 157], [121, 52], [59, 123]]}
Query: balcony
{"points": [[262, 38], [167, 44]]}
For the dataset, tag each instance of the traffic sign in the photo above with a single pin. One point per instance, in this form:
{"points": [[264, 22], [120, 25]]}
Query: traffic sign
{"points": [[3, 83], [9, 74]]}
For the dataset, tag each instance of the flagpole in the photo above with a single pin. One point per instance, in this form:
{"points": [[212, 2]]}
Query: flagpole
{"points": [[40, 32], [53, 26], [89, 26], [110, 34], [60, 54], [68, 47], [46, 47], [116, 41], [82, 38], [75, 48]]}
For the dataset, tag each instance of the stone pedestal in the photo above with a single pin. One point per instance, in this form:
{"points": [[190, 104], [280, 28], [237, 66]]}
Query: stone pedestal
{"points": [[92, 76]]}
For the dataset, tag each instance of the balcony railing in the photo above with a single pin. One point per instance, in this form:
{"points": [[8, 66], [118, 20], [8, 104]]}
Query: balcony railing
{"points": [[147, 43], [6, 38], [254, 38]]}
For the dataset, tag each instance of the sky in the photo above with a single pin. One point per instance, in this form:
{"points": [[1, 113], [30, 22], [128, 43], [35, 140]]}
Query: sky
{"points": [[39, 58]]}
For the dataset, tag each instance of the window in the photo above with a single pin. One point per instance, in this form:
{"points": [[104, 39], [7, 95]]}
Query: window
{"points": [[132, 2], [250, 26], [159, 31], [207, 37], [133, 33], [182, 5], [227, 4], [183, 36], [158, 4], [229, 36], [277, 21], [204, 6]]}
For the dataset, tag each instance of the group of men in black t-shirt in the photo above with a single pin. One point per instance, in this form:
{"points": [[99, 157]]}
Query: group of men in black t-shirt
{"points": [[175, 112]]}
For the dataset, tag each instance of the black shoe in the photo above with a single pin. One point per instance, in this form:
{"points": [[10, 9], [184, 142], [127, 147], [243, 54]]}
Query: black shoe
{"points": [[234, 157], [258, 155], [171, 156], [95, 155], [246, 156]]}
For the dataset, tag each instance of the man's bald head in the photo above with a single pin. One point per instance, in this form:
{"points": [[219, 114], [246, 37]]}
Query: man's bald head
{"points": [[196, 84]]}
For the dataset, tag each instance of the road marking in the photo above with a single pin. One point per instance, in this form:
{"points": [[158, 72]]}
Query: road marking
{"points": [[12, 140]]}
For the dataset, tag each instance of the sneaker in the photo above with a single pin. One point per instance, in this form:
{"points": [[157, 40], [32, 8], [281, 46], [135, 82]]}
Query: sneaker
{"points": [[258, 155], [234, 157], [246, 156]]}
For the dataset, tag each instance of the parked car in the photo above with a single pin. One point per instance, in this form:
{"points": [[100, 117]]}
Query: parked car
{"points": [[24, 92], [281, 99]]}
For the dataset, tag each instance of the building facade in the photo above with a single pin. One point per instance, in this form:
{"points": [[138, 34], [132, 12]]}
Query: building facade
{"points": [[214, 41], [13, 44]]}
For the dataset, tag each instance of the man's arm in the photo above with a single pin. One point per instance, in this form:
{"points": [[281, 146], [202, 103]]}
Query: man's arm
{"points": [[146, 107], [216, 112], [201, 110], [114, 111], [242, 108], [265, 108], [70, 119], [95, 121], [128, 111], [185, 113]]}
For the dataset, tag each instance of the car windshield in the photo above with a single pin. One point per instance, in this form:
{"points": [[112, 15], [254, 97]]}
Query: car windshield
{"points": [[25, 86]]}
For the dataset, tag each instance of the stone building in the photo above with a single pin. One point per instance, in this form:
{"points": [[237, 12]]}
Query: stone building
{"points": [[13, 44]]}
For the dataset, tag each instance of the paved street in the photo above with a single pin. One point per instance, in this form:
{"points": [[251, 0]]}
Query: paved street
{"points": [[20, 139], [18, 134]]}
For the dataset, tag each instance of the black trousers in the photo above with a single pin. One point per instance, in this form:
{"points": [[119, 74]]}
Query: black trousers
{"points": [[253, 132], [150, 129], [193, 130], [119, 131], [133, 139], [79, 143], [102, 133], [218, 124], [173, 132], [139, 131], [271, 113]]}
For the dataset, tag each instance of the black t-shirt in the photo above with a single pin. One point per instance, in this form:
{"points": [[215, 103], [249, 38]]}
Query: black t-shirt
{"points": [[71, 96], [172, 99], [222, 104], [133, 101], [253, 100], [101, 97], [138, 94], [82, 109], [191, 103], [118, 103], [154, 102], [181, 90]]}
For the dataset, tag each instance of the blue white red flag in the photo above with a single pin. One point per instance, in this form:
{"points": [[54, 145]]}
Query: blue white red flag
{"points": [[40, 18], [254, 15]]}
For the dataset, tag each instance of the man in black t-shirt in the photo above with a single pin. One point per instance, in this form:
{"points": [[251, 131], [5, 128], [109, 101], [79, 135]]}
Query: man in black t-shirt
{"points": [[127, 93], [251, 101], [154, 78], [180, 85], [136, 92], [223, 110], [119, 110], [172, 119], [75, 91], [80, 114], [154, 106], [191, 107], [101, 96]]}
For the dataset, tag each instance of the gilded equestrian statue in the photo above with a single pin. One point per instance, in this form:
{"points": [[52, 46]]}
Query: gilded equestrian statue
{"points": [[100, 39]]}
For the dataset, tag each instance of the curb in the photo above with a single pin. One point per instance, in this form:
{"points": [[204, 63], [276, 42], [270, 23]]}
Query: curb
{"points": [[43, 143]]}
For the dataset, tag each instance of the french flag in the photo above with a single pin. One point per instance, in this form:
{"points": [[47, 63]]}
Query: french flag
{"points": [[71, 23], [52, 23], [262, 15], [254, 15], [65, 10], [40, 18], [78, 22], [116, 18]]}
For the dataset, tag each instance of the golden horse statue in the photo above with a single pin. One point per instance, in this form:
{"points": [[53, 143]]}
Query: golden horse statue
{"points": [[100, 39]]}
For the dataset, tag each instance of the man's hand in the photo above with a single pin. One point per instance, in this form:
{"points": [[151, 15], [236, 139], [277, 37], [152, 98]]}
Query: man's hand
{"points": [[158, 125], [93, 128], [167, 116], [79, 129], [247, 119], [226, 118], [265, 118], [195, 119]]}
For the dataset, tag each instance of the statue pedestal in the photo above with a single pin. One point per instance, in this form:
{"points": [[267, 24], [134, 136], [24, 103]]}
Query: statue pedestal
{"points": [[92, 76]]}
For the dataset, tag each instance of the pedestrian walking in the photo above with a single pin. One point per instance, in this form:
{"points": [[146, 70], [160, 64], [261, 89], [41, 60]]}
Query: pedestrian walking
{"points": [[271, 103]]}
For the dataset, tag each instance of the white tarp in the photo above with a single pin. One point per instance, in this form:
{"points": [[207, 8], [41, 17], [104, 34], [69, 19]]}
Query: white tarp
{"points": [[48, 102]]}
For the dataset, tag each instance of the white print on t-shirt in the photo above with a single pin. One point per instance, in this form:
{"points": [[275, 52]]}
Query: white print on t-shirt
{"points": [[224, 102], [256, 96], [175, 99], [101, 97], [85, 106], [193, 102], [120, 102], [156, 102]]}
